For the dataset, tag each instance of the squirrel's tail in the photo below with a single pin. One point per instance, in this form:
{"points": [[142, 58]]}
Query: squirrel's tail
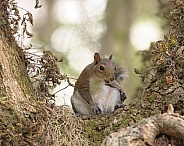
{"points": [[120, 74]]}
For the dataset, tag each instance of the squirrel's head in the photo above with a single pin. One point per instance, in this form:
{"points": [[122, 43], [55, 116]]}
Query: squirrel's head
{"points": [[104, 68]]}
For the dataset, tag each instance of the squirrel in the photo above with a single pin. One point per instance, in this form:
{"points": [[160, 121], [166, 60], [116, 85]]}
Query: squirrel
{"points": [[97, 90]]}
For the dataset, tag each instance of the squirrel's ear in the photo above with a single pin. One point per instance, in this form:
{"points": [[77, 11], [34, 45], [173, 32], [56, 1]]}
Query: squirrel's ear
{"points": [[110, 57], [96, 58]]}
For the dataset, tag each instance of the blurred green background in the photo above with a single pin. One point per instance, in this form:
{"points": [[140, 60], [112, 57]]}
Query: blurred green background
{"points": [[75, 29]]}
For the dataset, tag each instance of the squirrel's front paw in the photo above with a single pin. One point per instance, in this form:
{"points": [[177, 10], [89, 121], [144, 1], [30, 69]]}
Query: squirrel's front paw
{"points": [[122, 96], [120, 105], [96, 110]]}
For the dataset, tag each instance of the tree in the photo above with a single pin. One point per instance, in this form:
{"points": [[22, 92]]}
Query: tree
{"points": [[29, 118], [119, 16]]}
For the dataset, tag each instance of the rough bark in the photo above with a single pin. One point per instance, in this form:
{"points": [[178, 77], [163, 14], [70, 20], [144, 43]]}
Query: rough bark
{"points": [[14, 77], [18, 107], [145, 131], [16, 100]]}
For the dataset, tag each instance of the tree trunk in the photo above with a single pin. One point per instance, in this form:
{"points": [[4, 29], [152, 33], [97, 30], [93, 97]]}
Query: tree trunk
{"points": [[18, 107], [119, 16], [15, 82]]}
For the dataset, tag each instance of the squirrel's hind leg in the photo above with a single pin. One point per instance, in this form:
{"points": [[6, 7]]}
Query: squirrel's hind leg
{"points": [[80, 106]]}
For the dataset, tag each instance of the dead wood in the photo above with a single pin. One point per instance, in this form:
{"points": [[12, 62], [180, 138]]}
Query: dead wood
{"points": [[145, 131]]}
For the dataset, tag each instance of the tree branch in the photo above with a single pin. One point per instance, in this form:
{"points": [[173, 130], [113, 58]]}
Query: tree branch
{"points": [[145, 131]]}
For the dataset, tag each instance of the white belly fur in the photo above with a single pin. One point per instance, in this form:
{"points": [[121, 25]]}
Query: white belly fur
{"points": [[104, 96]]}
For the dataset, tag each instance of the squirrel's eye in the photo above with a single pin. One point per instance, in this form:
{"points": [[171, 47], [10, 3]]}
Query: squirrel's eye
{"points": [[102, 68]]}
